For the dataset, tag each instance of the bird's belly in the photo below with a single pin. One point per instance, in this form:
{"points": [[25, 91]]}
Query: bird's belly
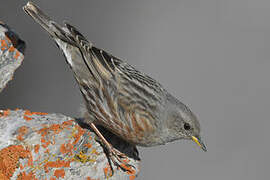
{"points": [[131, 123], [139, 132]]}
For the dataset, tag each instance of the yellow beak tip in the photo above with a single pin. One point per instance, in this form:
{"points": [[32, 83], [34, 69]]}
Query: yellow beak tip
{"points": [[199, 143]]}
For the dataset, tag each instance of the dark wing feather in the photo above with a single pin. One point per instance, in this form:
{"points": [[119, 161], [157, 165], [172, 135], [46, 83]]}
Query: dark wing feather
{"points": [[121, 98], [128, 97]]}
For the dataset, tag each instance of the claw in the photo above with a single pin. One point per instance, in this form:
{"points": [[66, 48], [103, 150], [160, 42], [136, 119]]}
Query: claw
{"points": [[119, 159]]}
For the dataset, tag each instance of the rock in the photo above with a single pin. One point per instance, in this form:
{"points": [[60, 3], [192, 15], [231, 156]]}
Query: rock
{"points": [[53, 146], [11, 54], [36, 145]]}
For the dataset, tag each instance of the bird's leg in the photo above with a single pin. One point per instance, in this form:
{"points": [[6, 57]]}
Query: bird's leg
{"points": [[115, 155]]}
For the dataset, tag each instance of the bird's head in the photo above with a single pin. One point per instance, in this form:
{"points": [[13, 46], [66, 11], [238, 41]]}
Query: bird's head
{"points": [[181, 123]]}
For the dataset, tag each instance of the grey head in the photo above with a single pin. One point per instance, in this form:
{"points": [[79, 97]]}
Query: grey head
{"points": [[181, 123]]}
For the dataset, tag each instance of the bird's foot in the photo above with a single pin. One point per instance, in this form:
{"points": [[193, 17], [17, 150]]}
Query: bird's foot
{"points": [[119, 159]]}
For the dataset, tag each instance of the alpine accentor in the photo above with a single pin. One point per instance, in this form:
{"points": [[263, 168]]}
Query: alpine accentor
{"points": [[118, 97]]}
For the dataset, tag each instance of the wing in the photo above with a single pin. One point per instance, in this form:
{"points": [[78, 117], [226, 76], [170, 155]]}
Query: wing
{"points": [[122, 98], [127, 98]]}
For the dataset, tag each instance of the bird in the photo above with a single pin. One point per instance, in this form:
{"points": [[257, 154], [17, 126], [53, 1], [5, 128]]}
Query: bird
{"points": [[117, 96]]}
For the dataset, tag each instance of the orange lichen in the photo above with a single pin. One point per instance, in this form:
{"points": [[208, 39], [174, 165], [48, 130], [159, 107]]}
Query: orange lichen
{"points": [[11, 49], [54, 128], [36, 148], [30, 161], [59, 173], [56, 164], [5, 113], [132, 177], [3, 177], [39, 113], [21, 132], [3, 45], [67, 123], [107, 171], [6, 44], [88, 145], [66, 148], [27, 118], [79, 134], [28, 113], [9, 158], [45, 143], [17, 54], [89, 178], [90, 137], [43, 131], [25, 176]]}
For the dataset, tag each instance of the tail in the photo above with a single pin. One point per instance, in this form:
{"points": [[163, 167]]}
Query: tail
{"points": [[86, 61], [55, 30]]}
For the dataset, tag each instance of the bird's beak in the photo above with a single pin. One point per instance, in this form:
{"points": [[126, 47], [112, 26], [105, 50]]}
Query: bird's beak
{"points": [[199, 142]]}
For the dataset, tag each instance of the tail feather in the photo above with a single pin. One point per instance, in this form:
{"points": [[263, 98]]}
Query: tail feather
{"points": [[49, 25], [76, 33], [87, 62], [98, 62]]}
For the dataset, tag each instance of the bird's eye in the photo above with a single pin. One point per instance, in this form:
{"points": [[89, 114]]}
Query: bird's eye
{"points": [[187, 126]]}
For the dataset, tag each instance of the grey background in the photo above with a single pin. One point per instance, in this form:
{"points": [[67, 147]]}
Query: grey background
{"points": [[212, 54]]}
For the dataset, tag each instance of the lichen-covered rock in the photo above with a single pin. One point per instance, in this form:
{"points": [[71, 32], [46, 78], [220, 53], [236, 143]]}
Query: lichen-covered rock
{"points": [[11, 54], [37, 145]]}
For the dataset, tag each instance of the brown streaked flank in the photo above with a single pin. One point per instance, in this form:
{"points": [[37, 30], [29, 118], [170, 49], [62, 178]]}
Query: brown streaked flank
{"points": [[117, 96]]}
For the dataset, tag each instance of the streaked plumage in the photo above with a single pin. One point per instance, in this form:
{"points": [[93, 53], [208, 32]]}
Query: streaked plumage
{"points": [[124, 100]]}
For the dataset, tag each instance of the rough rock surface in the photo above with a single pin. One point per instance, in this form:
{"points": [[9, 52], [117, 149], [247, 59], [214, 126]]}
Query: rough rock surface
{"points": [[11, 54], [42, 146]]}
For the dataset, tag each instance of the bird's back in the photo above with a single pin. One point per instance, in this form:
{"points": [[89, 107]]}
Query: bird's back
{"points": [[117, 96]]}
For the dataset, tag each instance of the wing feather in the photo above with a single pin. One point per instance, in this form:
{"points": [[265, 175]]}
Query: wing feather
{"points": [[117, 95]]}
